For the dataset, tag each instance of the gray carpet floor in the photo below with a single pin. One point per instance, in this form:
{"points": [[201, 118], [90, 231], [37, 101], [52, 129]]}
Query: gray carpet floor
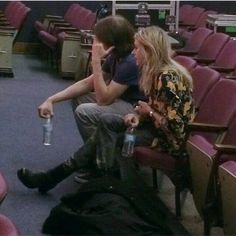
{"points": [[21, 140]]}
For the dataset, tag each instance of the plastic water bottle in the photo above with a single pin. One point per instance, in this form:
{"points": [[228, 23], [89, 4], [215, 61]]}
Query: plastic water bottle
{"points": [[129, 141], [47, 132]]}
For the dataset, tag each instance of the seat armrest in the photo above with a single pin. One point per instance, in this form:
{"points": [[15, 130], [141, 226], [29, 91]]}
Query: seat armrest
{"points": [[3, 23], [51, 23], [204, 127], [59, 27], [61, 24], [186, 25], [192, 28], [66, 30], [226, 149], [53, 17], [72, 37], [2, 17], [6, 33], [7, 27], [187, 53], [233, 77], [222, 69], [206, 61]]}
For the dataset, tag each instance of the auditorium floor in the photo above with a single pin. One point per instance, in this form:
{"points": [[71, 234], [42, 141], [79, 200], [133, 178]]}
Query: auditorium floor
{"points": [[190, 217]]}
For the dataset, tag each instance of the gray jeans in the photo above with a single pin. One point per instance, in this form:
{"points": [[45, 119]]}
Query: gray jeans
{"points": [[105, 144], [88, 112]]}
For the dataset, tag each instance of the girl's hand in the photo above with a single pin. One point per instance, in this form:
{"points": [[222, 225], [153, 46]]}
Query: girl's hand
{"points": [[131, 120], [142, 108]]}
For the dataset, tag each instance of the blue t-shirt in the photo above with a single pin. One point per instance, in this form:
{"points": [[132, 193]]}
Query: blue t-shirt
{"points": [[125, 71]]}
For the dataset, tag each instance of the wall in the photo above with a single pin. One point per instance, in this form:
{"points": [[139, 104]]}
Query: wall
{"points": [[40, 8], [228, 7]]}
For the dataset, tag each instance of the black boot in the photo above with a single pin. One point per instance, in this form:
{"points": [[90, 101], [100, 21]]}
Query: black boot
{"points": [[45, 181]]}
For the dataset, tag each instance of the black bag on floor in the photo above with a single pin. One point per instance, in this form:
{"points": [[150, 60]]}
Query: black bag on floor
{"points": [[111, 206]]}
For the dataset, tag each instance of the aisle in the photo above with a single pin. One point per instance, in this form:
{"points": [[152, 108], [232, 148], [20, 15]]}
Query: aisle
{"points": [[21, 140]]}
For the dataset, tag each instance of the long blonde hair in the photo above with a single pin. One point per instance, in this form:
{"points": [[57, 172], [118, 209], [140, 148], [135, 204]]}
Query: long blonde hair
{"points": [[156, 52]]}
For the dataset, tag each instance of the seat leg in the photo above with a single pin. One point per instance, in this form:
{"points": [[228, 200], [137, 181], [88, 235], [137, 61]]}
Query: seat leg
{"points": [[207, 227], [154, 178], [177, 202]]}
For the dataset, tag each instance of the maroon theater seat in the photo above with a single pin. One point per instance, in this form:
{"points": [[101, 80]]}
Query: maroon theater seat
{"points": [[191, 18], [3, 188], [227, 180], [69, 15], [210, 112], [206, 149], [186, 61], [8, 9], [7, 228], [211, 48], [226, 60], [204, 79], [195, 42], [201, 22], [183, 11]]}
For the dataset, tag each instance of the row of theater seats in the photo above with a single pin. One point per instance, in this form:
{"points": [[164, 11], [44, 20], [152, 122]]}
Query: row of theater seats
{"points": [[216, 50], [12, 19], [211, 135], [191, 18], [62, 36], [7, 227]]}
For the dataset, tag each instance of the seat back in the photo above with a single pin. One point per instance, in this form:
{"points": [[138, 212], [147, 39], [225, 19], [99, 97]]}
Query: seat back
{"points": [[193, 15], [12, 9], [184, 10], [204, 161], [90, 21], [201, 22], [7, 227], [212, 46], [204, 79], [198, 37], [227, 179], [187, 62], [218, 106], [10, 6], [3, 188], [20, 17], [200, 146], [227, 56], [85, 20], [71, 11]]}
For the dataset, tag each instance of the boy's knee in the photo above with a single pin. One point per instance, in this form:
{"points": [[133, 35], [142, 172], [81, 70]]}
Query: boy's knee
{"points": [[83, 110]]}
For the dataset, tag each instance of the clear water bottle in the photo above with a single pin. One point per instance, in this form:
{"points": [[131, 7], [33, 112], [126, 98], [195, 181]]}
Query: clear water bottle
{"points": [[47, 132], [129, 141]]}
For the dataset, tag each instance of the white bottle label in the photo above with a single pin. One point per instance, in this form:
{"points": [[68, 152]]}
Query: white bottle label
{"points": [[129, 138]]}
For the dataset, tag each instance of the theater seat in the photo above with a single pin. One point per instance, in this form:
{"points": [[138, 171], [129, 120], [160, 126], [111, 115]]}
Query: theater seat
{"points": [[186, 61], [3, 188], [9, 32], [195, 42], [7, 227], [225, 62], [207, 150], [210, 112], [204, 79], [211, 48], [183, 11], [227, 178], [191, 18]]}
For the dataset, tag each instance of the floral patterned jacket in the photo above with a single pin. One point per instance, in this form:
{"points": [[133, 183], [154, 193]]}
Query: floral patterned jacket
{"points": [[173, 100]]}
